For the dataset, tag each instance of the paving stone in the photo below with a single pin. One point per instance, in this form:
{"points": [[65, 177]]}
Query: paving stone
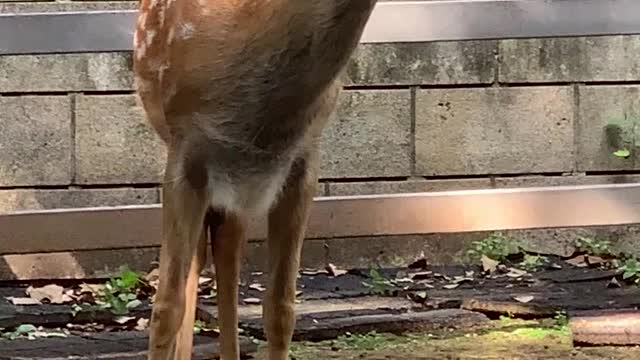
{"points": [[35, 199], [600, 107], [494, 131], [369, 135], [429, 63], [114, 143], [573, 59], [35, 140], [66, 72]]}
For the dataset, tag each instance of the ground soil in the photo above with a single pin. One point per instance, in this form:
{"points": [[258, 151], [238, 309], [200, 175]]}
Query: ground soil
{"points": [[466, 294], [504, 344]]}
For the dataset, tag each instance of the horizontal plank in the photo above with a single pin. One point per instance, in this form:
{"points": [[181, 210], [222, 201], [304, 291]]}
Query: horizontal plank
{"points": [[341, 217], [396, 21]]}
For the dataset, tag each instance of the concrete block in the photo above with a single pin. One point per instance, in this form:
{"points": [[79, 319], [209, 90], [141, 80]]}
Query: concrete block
{"points": [[66, 72], [437, 63], [37, 199], [582, 59], [494, 130], [600, 107], [35, 140], [114, 142], [369, 135], [412, 186]]}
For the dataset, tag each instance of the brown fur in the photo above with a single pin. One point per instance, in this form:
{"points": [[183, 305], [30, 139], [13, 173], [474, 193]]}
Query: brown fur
{"points": [[239, 90]]}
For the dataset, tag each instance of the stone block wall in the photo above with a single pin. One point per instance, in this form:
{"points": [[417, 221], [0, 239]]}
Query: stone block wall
{"points": [[413, 117]]}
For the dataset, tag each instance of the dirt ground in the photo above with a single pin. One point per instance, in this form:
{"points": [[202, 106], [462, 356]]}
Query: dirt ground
{"points": [[506, 342]]}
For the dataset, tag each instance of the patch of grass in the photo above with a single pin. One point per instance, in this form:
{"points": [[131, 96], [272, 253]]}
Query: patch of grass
{"points": [[200, 326], [539, 332], [119, 293], [630, 268], [560, 321], [596, 247], [533, 262], [369, 341], [495, 246], [377, 283]]}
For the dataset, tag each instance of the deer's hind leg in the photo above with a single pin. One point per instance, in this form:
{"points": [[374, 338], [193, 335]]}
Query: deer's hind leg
{"points": [[182, 255], [287, 224]]}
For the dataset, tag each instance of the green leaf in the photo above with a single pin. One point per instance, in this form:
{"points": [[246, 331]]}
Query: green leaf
{"points": [[623, 153], [25, 328], [133, 304]]}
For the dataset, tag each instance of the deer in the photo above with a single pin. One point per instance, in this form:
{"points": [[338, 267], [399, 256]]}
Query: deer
{"points": [[239, 92]]}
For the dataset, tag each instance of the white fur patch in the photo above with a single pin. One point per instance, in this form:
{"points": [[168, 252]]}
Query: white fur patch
{"points": [[253, 197], [186, 30]]}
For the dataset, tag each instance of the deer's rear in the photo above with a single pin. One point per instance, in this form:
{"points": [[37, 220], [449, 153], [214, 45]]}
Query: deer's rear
{"points": [[240, 91]]}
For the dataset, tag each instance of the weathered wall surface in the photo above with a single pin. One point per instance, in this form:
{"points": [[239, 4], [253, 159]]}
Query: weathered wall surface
{"points": [[413, 117]]}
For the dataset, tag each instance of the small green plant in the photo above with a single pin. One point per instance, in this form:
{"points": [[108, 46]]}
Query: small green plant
{"points": [[620, 135], [377, 283], [200, 326], [560, 320], [119, 293], [622, 153], [532, 262], [369, 341], [591, 246], [495, 246], [630, 269]]}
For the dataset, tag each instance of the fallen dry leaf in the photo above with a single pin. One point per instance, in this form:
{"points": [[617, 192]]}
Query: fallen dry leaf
{"points": [[594, 260], [334, 271], [257, 287], [152, 275], [51, 293], [253, 301], [613, 283], [142, 324], [489, 265], [123, 319], [578, 261], [91, 288], [524, 298], [462, 279], [421, 275], [311, 272], [23, 300], [421, 263], [516, 273], [451, 286], [204, 280]]}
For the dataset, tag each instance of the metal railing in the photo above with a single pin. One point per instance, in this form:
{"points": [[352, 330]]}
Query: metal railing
{"points": [[389, 214], [397, 21]]}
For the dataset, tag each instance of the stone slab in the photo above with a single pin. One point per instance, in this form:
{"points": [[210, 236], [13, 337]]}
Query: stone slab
{"points": [[66, 72], [368, 136], [35, 140], [114, 142], [600, 107], [429, 63], [494, 131], [573, 59]]}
